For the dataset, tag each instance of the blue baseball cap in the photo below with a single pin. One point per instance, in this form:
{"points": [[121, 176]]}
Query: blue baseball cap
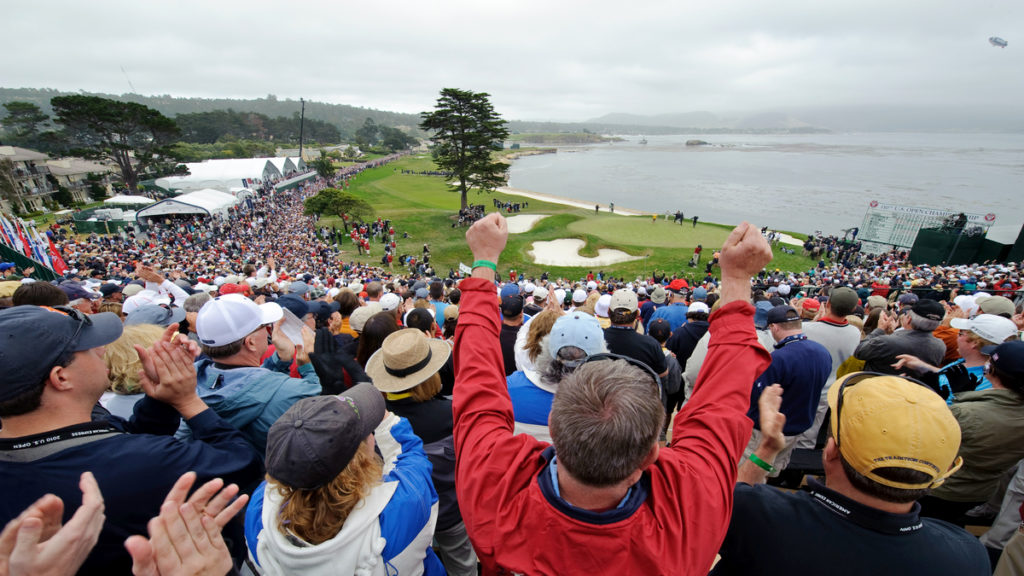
{"points": [[577, 329], [33, 339]]}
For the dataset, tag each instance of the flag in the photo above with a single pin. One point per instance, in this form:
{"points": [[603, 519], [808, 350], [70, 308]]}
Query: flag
{"points": [[25, 246], [41, 248], [10, 234], [58, 263]]}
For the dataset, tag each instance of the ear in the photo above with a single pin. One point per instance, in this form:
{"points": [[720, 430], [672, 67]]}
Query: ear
{"points": [[59, 379], [830, 455]]}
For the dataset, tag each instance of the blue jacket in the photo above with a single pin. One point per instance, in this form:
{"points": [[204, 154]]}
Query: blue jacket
{"points": [[135, 464], [252, 399]]}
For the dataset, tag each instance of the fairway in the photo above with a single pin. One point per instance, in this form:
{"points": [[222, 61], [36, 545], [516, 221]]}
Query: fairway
{"points": [[423, 206]]}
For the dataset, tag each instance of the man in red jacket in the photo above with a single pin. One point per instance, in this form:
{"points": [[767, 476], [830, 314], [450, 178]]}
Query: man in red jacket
{"points": [[605, 499]]}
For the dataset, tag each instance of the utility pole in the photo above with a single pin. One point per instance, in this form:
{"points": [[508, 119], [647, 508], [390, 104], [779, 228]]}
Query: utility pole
{"points": [[302, 122]]}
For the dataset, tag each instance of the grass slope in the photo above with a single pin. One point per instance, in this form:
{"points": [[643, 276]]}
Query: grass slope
{"points": [[424, 207]]}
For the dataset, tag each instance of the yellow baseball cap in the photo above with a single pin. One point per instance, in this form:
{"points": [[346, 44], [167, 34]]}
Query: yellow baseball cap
{"points": [[891, 422]]}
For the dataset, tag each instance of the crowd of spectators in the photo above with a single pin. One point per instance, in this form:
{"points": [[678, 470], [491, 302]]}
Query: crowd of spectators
{"points": [[374, 421]]}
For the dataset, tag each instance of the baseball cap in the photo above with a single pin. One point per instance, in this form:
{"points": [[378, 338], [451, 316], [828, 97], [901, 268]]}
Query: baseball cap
{"points": [[422, 293], [390, 301], [591, 285], [781, 313], [579, 296], [76, 291], [843, 298], [698, 307], [810, 304], [232, 288], [511, 305], [451, 312], [509, 290], [155, 314], [540, 293], [678, 286], [877, 302], [995, 329], [624, 299], [33, 338], [700, 293], [315, 439], [602, 304], [298, 287], [784, 289], [576, 329], [998, 305], [881, 421], [658, 295], [295, 304], [109, 288], [929, 309], [230, 318], [908, 299], [659, 329], [1008, 358]]}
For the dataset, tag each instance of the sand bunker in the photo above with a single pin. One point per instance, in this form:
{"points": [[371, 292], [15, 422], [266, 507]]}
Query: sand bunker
{"points": [[566, 252], [523, 222]]}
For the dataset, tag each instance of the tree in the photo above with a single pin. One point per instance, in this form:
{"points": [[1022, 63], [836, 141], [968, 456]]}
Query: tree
{"points": [[133, 136], [323, 165], [97, 191], [24, 119], [338, 203], [466, 130], [394, 139], [366, 136]]}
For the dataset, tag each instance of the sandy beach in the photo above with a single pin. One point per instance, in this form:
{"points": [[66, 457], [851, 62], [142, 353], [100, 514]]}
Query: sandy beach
{"points": [[568, 201]]}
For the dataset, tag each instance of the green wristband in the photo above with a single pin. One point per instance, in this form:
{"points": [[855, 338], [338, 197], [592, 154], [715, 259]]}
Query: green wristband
{"points": [[486, 264], [762, 464]]}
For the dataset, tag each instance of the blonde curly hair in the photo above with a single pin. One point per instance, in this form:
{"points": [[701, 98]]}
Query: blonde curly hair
{"points": [[123, 361]]}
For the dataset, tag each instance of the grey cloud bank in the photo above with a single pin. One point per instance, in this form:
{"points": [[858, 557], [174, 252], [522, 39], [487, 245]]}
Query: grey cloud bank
{"points": [[563, 61]]}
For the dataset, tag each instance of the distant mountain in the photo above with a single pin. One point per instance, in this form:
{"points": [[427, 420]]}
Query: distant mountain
{"points": [[346, 118]]}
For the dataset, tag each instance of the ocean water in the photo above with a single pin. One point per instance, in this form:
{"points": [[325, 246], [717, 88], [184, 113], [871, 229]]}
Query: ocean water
{"points": [[802, 183]]}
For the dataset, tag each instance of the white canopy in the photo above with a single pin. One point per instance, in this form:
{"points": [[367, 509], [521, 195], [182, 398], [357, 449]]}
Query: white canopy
{"points": [[132, 200], [222, 174], [206, 202]]}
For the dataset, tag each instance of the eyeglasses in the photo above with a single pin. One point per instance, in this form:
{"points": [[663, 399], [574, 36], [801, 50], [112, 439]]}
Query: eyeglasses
{"points": [[632, 362], [77, 315], [854, 379]]}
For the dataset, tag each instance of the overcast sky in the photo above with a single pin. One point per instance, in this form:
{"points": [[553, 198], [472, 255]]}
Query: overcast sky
{"points": [[540, 60]]}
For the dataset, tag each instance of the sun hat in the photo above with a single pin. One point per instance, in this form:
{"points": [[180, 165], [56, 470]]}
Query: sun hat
{"points": [[995, 329], [33, 339], [230, 318], [405, 359], [658, 295], [360, 315], [576, 329], [315, 439], [891, 422]]}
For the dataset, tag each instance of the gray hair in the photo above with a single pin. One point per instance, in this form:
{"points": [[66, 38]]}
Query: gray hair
{"points": [[553, 370], [194, 302], [605, 419]]}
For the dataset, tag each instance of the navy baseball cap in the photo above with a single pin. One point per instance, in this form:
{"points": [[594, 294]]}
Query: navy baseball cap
{"points": [[781, 313], [1008, 358], [33, 339]]}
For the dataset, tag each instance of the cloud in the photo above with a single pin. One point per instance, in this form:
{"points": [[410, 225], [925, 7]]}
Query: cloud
{"points": [[566, 60]]}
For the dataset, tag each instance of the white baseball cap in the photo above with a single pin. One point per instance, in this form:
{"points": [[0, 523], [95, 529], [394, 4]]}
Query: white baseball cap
{"points": [[390, 301], [144, 298], [995, 329], [230, 318]]}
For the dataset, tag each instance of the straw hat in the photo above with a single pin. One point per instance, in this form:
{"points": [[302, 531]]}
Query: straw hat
{"points": [[406, 358]]}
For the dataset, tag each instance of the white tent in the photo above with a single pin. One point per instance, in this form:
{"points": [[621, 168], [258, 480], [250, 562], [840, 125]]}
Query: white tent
{"points": [[206, 202], [129, 200], [222, 174]]}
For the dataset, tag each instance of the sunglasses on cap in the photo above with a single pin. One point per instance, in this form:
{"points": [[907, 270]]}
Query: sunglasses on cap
{"points": [[75, 314], [631, 361], [853, 380]]}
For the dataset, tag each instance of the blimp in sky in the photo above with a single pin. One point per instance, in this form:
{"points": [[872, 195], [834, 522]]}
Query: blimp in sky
{"points": [[997, 41]]}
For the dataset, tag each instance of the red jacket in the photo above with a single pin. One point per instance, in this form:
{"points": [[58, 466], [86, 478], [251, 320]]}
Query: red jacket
{"points": [[677, 523]]}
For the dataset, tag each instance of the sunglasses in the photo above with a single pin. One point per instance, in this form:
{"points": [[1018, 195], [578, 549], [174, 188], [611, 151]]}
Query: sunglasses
{"points": [[75, 314], [853, 380], [632, 362]]}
